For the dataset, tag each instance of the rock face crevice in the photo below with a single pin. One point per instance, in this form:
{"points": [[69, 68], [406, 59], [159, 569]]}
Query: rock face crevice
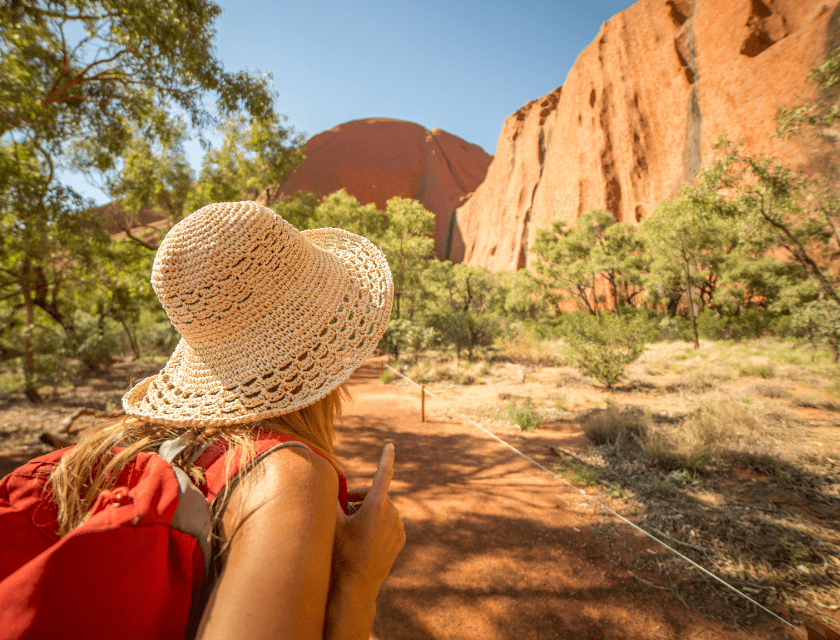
{"points": [[379, 158], [612, 185], [765, 29], [638, 115], [691, 157]]}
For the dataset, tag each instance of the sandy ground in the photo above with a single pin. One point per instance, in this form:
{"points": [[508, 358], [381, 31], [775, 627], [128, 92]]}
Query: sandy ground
{"points": [[496, 548], [499, 549]]}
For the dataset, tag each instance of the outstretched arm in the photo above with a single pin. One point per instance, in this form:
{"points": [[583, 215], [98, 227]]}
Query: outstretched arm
{"points": [[276, 576]]}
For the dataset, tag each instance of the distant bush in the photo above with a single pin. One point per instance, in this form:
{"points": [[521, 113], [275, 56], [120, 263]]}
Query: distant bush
{"points": [[819, 322], [524, 415], [711, 325], [748, 324], [615, 424], [95, 339], [675, 328], [523, 347], [463, 330], [403, 335], [155, 334], [602, 350]]}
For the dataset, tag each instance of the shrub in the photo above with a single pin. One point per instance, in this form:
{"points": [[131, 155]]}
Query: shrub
{"points": [[404, 335], [523, 416], [819, 322], [700, 438], [155, 334], [527, 350], [604, 350], [96, 339], [675, 328], [463, 330], [615, 424], [711, 325], [751, 323]]}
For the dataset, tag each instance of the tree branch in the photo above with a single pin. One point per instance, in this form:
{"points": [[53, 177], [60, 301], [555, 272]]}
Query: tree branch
{"points": [[143, 243], [67, 16], [80, 78]]}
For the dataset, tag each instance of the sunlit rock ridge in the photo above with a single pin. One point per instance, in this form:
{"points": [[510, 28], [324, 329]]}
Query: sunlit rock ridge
{"points": [[378, 158], [639, 113]]}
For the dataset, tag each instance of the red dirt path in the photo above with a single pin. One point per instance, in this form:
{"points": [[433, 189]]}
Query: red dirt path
{"points": [[496, 549]]}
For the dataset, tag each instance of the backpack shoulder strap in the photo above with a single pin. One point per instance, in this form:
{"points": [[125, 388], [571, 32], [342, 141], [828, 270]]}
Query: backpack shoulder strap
{"points": [[222, 463]]}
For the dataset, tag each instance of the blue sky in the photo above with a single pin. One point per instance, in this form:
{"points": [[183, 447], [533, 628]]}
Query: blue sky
{"points": [[460, 66]]}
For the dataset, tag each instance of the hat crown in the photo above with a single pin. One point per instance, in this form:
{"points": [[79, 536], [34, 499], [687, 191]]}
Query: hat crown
{"points": [[209, 264], [271, 318]]}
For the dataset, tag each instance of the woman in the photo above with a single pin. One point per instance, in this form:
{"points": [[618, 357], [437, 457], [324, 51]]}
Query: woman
{"points": [[273, 321]]}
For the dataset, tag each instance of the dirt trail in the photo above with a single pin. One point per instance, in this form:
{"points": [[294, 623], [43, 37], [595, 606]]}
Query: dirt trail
{"points": [[496, 549]]}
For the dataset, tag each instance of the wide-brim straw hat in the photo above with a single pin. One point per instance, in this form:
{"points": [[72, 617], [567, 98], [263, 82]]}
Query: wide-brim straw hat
{"points": [[271, 318]]}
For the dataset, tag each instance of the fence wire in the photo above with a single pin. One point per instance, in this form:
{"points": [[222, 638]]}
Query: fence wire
{"points": [[603, 506]]}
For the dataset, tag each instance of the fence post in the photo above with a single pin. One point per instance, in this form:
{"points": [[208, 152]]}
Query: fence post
{"points": [[422, 403]]}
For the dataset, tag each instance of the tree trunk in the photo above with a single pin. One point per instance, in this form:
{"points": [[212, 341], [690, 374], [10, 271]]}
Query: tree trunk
{"points": [[691, 310], [135, 348], [595, 300], [614, 294], [30, 388]]}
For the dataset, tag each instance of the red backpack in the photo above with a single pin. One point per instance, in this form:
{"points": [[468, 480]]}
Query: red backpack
{"points": [[136, 568]]}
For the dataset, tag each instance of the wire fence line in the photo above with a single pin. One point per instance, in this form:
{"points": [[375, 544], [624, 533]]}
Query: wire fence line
{"points": [[592, 499]]}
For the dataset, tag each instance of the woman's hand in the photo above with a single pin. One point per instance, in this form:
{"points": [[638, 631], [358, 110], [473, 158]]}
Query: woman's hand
{"points": [[364, 549]]}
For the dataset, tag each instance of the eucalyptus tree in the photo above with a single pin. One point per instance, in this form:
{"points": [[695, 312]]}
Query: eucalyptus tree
{"points": [[343, 211], [778, 203], [686, 240], [154, 186], [90, 76], [620, 258], [408, 245], [572, 262], [777, 208], [824, 110], [566, 268], [468, 304], [253, 161]]}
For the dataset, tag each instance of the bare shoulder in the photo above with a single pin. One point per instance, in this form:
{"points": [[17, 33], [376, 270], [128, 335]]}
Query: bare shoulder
{"points": [[295, 477]]}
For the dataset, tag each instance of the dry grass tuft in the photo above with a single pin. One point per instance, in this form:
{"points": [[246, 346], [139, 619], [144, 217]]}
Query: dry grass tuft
{"points": [[615, 424], [719, 427], [529, 352], [816, 402], [441, 369], [705, 376], [769, 391]]}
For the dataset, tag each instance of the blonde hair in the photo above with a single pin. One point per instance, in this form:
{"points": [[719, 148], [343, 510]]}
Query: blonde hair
{"points": [[93, 465]]}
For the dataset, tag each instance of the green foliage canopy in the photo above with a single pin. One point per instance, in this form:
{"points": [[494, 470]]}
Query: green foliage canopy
{"points": [[85, 78], [254, 160], [571, 261]]}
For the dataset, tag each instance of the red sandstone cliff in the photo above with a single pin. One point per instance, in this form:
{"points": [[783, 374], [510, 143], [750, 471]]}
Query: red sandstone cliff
{"points": [[379, 158], [639, 112]]}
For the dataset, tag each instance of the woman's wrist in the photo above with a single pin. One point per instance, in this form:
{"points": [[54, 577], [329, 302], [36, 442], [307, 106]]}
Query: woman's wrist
{"points": [[351, 609]]}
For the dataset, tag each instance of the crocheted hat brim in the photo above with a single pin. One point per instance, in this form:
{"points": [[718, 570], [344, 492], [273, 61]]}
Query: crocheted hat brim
{"points": [[282, 359]]}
